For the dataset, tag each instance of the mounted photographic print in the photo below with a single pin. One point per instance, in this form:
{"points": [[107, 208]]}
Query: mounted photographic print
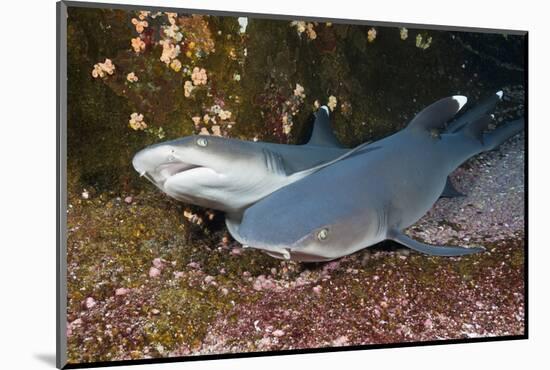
{"points": [[235, 184]]}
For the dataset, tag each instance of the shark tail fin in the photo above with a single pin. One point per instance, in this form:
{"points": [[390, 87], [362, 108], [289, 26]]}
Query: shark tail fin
{"points": [[474, 122], [472, 115], [493, 139], [476, 128]]}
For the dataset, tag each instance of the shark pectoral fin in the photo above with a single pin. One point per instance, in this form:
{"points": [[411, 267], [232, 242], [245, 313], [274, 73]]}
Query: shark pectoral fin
{"points": [[433, 250], [450, 191], [437, 114], [301, 174], [322, 134], [233, 221]]}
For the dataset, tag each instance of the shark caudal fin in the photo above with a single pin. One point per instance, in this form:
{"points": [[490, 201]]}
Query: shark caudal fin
{"points": [[474, 123], [322, 134], [493, 139], [437, 114], [476, 128], [472, 115]]}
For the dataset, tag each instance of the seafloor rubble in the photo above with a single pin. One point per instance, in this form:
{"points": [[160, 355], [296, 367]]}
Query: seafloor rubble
{"points": [[144, 282]]}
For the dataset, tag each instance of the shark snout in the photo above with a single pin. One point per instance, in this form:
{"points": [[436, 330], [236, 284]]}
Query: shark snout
{"points": [[139, 162]]}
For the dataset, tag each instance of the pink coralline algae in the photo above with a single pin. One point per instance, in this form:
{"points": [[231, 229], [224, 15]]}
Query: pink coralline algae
{"points": [[154, 272], [263, 283], [89, 303], [317, 289], [122, 291], [340, 341], [194, 265], [158, 263]]}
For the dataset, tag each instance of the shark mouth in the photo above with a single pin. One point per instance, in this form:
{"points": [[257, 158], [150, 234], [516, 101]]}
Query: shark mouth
{"points": [[297, 256], [166, 170], [170, 169]]}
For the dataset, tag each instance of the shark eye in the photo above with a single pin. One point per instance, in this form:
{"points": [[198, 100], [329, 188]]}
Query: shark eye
{"points": [[322, 234], [201, 141], [171, 156]]}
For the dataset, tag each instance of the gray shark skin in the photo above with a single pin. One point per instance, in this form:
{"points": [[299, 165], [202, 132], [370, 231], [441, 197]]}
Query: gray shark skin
{"points": [[372, 195], [230, 174]]}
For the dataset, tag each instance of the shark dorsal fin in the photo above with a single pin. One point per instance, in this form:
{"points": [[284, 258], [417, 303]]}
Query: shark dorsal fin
{"points": [[322, 134], [437, 114], [485, 107]]}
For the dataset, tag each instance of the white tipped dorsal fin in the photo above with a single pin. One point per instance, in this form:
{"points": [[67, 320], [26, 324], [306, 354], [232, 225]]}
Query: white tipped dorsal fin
{"points": [[438, 113], [461, 99], [500, 94]]}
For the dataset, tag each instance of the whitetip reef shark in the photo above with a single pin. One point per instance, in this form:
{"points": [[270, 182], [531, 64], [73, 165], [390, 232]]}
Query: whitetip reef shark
{"points": [[320, 201], [373, 195], [230, 174]]}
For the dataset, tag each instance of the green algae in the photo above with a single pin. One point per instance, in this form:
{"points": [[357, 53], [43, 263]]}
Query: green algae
{"points": [[184, 317]]}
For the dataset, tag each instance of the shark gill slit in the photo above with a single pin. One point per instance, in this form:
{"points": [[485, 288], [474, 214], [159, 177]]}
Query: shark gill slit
{"points": [[266, 158], [273, 162]]}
